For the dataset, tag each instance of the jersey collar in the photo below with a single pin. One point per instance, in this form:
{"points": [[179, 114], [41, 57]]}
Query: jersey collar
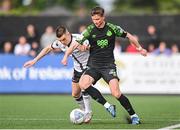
{"points": [[70, 41], [101, 28]]}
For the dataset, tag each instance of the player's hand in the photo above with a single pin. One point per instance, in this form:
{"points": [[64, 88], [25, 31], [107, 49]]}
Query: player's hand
{"points": [[143, 52], [84, 47], [64, 61], [29, 63], [87, 47]]}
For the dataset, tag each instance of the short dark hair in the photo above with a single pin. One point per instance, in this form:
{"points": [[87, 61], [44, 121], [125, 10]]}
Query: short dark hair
{"points": [[60, 30], [97, 10]]}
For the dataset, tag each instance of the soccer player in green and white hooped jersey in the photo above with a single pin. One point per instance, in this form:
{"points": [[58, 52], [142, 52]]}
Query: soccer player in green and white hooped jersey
{"points": [[80, 56], [101, 36]]}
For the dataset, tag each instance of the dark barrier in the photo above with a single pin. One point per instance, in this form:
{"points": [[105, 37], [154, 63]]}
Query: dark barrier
{"points": [[47, 76], [168, 26], [13, 27]]}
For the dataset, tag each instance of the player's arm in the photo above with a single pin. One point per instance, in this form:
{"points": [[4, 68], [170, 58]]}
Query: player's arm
{"points": [[84, 47], [43, 52], [85, 35], [121, 33], [135, 42], [69, 51]]}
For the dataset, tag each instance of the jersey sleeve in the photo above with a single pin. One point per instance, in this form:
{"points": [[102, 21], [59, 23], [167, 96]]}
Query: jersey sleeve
{"points": [[85, 35], [85, 42], [119, 32], [58, 45]]}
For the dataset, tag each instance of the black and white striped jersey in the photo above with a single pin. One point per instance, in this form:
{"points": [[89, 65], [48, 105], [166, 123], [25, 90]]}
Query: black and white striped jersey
{"points": [[79, 58]]}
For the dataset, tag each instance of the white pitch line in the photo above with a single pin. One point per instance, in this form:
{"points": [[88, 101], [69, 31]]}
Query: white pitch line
{"points": [[170, 127], [36, 119]]}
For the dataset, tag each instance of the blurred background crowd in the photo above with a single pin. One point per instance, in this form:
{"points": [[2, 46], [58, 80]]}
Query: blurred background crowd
{"points": [[31, 37]]}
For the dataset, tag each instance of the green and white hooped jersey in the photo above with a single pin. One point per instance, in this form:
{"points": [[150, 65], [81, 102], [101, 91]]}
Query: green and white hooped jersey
{"points": [[79, 58]]}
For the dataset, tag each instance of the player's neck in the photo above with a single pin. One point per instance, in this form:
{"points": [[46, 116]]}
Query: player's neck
{"points": [[102, 24], [69, 39]]}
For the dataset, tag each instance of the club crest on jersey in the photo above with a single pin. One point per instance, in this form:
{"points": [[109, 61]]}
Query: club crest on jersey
{"points": [[109, 33]]}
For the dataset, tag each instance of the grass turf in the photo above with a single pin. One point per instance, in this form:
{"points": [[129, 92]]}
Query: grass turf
{"points": [[52, 112]]}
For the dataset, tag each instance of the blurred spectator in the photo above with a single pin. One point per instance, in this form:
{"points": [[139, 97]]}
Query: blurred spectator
{"points": [[162, 49], [22, 48], [8, 48], [47, 37], [151, 47], [153, 36], [131, 48], [117, 48], [31, 34], [34, 49], [82, 11], [174, 48], [5, 6], [82, 28]]}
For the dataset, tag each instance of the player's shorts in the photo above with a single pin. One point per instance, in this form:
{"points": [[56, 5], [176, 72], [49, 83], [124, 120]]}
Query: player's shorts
{"points": [[106, 73], [76, 76]]}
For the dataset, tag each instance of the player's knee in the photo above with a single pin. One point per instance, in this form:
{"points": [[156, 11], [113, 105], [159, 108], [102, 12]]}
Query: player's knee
{"points": [[81, 84], [84, 83], [116, 94], [75, 94]]}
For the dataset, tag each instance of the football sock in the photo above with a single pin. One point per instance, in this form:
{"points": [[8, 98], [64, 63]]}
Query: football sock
{"points": [[80, 102], [107, 105], [134, 115], [96, 95], [126, 104], [87, 102]]}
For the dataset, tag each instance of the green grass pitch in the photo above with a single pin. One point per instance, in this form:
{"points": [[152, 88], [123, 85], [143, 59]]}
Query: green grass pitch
{"points": [[52, 112]]}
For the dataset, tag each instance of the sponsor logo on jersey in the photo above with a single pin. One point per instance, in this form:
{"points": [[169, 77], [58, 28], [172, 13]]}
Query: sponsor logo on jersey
{"points": [[102, 43]]}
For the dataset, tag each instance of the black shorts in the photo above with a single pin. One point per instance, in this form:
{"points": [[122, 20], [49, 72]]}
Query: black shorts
{"points": [[76, 76], [107, 73]]}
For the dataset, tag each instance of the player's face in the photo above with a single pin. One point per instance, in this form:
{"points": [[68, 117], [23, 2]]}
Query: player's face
{"points": [[63, 39], [98, 20]]}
